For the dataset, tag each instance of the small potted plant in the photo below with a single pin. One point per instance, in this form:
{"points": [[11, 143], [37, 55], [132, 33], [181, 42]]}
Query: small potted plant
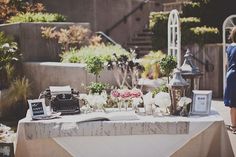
{"points": [[167, 65]]}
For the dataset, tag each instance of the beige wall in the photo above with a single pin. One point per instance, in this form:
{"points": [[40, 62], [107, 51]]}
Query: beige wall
{"points": [[45, 74], [102, 14], [31, 44]]}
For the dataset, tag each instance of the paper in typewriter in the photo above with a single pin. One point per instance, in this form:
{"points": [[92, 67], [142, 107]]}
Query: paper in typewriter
{"points": [[60, 90]]}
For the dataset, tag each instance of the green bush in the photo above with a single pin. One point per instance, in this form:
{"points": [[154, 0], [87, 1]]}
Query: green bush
{"points": [[104, 51], [191, 9], [191, 31], [158, 24], [205, 34], [211, 12], [97, 87], [37, 17], [9, 56]]}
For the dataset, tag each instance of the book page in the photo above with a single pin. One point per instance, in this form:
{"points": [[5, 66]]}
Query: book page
{"points": [[111, 116]]}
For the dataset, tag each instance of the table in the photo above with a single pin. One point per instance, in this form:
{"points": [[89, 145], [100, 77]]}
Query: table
{"points": [[149, 136]]}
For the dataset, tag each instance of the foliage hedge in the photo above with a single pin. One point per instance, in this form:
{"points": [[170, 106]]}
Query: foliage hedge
{"points": [[211, 12], [191, 31], [37, 17]]}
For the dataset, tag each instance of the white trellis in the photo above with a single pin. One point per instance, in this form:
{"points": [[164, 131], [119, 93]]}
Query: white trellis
{"points": [[174, 36], [228, 24]]}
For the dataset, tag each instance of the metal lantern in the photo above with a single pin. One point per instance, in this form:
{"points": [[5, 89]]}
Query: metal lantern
{"points": [[177, 88], [190, 73]]}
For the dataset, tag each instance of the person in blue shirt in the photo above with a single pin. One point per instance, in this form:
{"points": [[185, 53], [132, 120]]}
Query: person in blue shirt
{"points": [[230, 90]]}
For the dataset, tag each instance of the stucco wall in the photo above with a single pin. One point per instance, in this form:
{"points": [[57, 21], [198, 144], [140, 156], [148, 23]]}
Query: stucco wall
{"points": [[31, 44], [102, 14], [45, 74]]}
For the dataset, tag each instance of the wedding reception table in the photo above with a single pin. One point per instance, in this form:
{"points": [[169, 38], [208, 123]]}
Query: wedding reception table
{"points": [[147, 136]]}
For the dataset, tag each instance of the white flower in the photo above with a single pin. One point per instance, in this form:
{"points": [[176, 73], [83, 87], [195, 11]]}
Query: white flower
{"points": [[136, 101], [83, 96], [184, 101], [162, 99], [6, 45]]}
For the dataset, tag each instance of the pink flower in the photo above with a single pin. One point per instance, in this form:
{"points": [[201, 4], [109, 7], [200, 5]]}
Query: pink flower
{"points": [[125, 94], [136, 93], [115, 93]]}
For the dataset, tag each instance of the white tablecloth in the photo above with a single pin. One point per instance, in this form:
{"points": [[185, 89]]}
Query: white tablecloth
{"points": [[200, 136]]}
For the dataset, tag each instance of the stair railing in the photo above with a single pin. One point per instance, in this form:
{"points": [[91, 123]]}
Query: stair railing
{"points": [[125, 17], [106, 37]]}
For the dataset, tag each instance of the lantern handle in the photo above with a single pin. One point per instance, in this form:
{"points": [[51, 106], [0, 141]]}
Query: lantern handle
{"points": [[209, 67]]}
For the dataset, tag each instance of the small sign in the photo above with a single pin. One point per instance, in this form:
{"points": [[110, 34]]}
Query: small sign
{"points": [[37, 107], [6, 150], [201, 102]]}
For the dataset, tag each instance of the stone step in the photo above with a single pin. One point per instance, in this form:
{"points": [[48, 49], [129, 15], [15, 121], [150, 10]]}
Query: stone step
{"points": [[142, 34], [142, 38], [141, 53], [141, 48], [140, 42]]}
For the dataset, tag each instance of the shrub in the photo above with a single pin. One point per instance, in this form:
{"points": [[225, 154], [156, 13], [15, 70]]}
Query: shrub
{"points": [[37, 17], [167, 64], [158, 24], [212, 12], [97, 87], [104, 51], [9, 55], [13, 7], [151, 64], [72, 37], [191, 9], [205, 34], [188, 25], [94, 65]]}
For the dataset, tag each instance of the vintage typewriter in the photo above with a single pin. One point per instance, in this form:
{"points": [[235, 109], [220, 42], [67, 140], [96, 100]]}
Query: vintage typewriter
{"points": [[62, 99]]}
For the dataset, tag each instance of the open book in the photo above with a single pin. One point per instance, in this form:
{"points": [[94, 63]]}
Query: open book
{"points": [[108, 116]]}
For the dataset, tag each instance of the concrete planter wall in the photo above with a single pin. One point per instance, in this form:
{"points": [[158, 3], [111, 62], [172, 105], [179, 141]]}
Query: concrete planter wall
{"points": [[45, 74], [31, 44]]}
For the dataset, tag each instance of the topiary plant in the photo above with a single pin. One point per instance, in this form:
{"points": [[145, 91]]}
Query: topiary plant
{"points": [[167, 65], [94, 65]]}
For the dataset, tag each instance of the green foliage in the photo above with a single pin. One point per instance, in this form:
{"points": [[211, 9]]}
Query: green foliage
{"points": [[14, 100], [9, 8], [168, 64], [191, 9], [151, 65], [9, 55], [212, 12], [94, 65], [4, 39], [105, 52], [157, 17], [162, 88], [19, 91], [158, 24], [37, 17], [207, 34], [97, 87]]}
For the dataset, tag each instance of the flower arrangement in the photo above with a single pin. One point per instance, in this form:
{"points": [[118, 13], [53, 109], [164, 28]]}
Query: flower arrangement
{"points": [[124, 97], [94, 101]]}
